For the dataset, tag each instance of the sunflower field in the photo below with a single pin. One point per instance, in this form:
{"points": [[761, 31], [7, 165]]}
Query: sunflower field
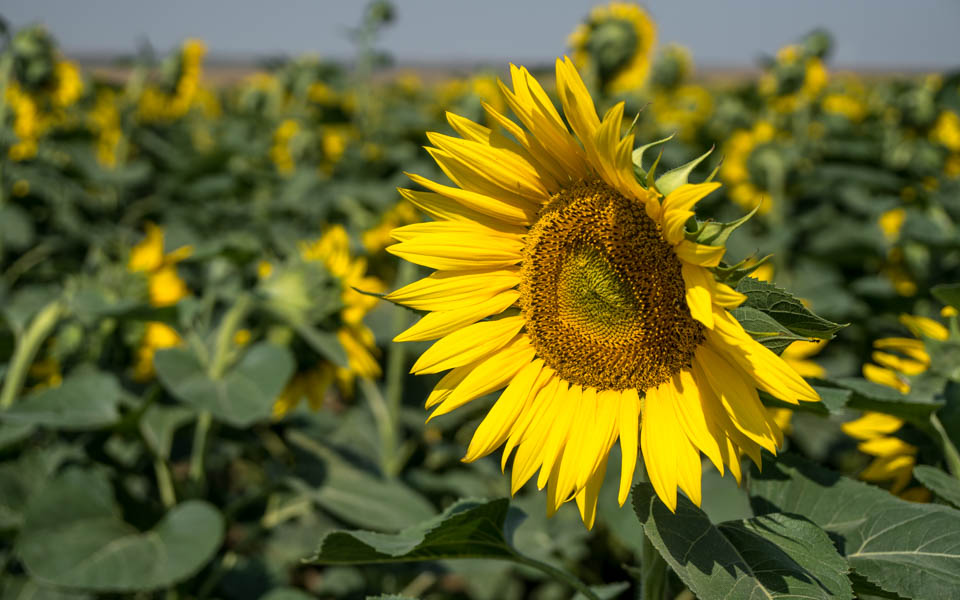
{"points": [[600, 328]]}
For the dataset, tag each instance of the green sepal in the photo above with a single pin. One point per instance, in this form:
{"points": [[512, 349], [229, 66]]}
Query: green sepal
{"points": [[733, 274], [713, 233], [674, 178], [638, 169]]}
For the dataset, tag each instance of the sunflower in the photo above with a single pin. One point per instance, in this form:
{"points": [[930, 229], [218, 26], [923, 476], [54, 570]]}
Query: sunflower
{"points": [[332, 249], [735, 169], [894, 361], [562, 279], [616, 44]]}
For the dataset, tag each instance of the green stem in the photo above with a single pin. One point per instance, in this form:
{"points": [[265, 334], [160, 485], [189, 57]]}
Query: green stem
{"points": [[557, 574], [950, 453], [228, 327], [26, 350], [199, 445], [397, 355], [6, 67], [385, 426], [164, 483], [653, 570]]}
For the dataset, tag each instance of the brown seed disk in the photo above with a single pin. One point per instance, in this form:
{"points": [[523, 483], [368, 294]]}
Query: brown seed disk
{"points": [[602, 292]]}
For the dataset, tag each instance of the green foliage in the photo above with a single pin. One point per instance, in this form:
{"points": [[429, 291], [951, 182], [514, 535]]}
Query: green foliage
{"points": [[74, 536], [903, 547], [240, 397], [770, 556]]}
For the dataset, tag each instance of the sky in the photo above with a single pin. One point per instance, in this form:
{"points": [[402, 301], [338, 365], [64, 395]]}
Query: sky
{"points": [[880, 34]]}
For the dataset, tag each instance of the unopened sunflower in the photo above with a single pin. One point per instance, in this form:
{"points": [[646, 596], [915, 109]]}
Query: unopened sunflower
{"points": [[562, 279]]}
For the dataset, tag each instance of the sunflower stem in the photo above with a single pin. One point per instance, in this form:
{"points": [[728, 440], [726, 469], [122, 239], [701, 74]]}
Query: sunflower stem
{"points": [[386, 426], [950, 453], [396, 359], [558, 575], [228, 327], [26, 350]]}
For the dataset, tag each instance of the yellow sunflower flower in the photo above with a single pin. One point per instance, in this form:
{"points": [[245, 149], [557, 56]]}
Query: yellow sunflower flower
{"points": [[735, 169], [165, 288], [894, 360], [616, 44], [333, 250], [561, 279]]}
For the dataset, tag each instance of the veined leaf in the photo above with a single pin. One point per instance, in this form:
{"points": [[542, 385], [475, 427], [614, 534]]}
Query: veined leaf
{"points": [[468, 529], [786, 309], [771, 556], [763, 328], [868, 395], [904, 547], [85, 401]]}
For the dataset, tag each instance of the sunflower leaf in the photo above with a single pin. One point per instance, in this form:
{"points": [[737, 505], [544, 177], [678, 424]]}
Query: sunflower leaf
{"points": [[714, 233], [74, 536], [244, 395], [468, 529], [771, 556], [940, 483], [868, 395], [765, 329], [903, 547], [786, 309], [948, 293]]}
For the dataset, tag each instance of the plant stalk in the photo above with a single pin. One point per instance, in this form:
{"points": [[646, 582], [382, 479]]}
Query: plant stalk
{"points": [[27, 347], [228, 327], [950, 453], [558, 575], [199, 445]]}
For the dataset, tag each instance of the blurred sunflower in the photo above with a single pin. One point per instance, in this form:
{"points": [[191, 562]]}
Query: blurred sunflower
{"points": [[894, 360], [165, 288], [795, 78], [563, 280], [616, 45], [333, 250], [736, 168]]}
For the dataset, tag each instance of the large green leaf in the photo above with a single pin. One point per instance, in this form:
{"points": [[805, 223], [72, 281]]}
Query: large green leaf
{"points": [[355, 495], [22, 588], [868, 395], [468, 529], [903, 547], [784, 308], [940, 483], [85, 401], [74, 536], [243, 396], [771, 556]]}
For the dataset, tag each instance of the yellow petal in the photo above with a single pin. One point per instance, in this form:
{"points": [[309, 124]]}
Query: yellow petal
{"points": [[909, 346], [530, 435], [678, 208], [698, 254], [902, 365], [495, 426], [693, 418], [558, 431], [489, 375], [886, 377], [588, 496], [629, 424], [449, 228], [467, 345], [657, 437], [445, 290], [443, 208], [872, 425], [438, 324], [699, 300], [517, 213], [454, 252], [925, 326], [770, 372]]}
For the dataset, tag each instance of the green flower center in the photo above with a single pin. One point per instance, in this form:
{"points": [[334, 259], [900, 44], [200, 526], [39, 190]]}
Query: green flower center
{"points": [[603, 294]]}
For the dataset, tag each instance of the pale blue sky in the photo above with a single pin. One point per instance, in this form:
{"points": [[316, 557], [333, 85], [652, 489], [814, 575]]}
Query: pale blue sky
{"points": [[870, 33]]}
